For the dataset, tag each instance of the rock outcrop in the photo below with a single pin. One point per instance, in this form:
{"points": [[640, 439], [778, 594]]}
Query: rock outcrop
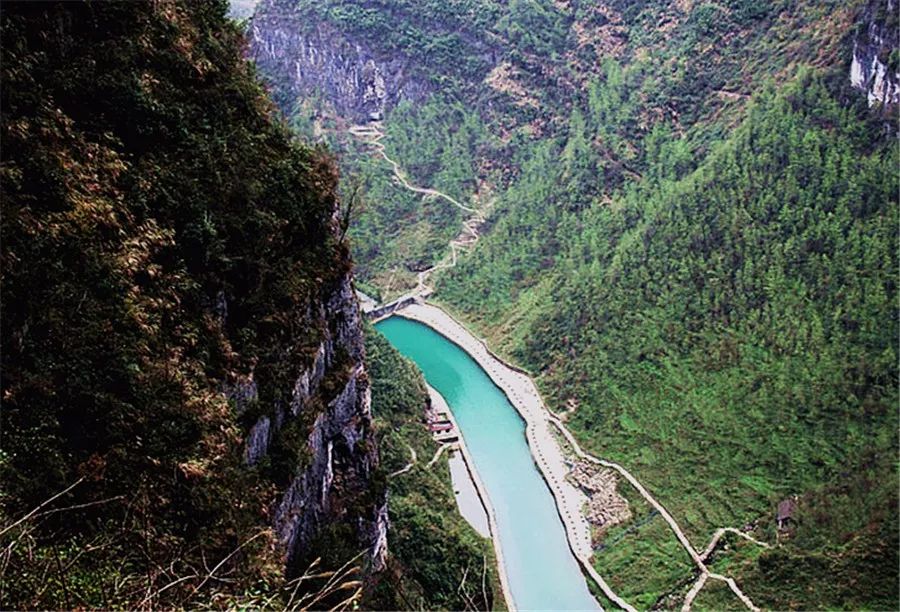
{"points": [[334, 482], [606, 506], [337, 482], [875, 68], [305, 60]]}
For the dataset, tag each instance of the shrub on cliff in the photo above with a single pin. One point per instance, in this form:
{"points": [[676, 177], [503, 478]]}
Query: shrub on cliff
{"points": [[160, 231]]}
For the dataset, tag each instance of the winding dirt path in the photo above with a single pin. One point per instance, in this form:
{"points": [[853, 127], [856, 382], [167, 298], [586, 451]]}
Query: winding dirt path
{"points": [[721, 532], [437, 454], [412, 462], [695, 590], [372, 135], [699, 559]]}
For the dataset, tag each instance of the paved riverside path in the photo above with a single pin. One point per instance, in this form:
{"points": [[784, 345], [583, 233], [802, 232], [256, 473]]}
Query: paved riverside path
{"points": [[548, 455], [524, 396], [545, 450]]}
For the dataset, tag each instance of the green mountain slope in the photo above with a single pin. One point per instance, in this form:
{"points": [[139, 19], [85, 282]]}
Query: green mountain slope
{"points": [[163, 239], [729, 335], [693, 246], [520, 71]]}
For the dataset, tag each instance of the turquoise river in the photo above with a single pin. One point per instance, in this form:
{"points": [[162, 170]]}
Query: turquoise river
{"points": [[542, 572]]}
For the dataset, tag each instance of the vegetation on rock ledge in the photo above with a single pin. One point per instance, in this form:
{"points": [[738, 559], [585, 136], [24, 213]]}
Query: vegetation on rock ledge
{"points": [[162, 233]]}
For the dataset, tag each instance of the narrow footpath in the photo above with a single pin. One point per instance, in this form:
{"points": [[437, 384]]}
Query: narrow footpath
{"points": [[412, 462], [437, 454], [372, 135]]}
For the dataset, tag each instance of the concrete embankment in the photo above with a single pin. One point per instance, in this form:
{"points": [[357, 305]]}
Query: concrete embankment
{"points": [[438, 401], [547, 454], [376, 313]]}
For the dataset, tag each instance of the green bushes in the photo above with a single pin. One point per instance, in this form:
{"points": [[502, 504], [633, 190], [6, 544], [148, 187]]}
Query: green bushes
{"points": [[143, 178], [725, 332]]}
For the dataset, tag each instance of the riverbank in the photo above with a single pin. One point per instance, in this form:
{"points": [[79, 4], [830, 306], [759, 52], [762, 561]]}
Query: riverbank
{"points": [[546, 452], [438, 400]]}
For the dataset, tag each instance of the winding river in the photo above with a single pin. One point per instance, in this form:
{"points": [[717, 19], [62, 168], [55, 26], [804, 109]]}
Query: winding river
{"points": [[542, 572]]}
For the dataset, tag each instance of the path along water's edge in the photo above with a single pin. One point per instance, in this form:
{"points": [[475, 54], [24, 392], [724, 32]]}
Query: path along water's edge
{"points": [[537, 419], [438, 399], [546, 452]]}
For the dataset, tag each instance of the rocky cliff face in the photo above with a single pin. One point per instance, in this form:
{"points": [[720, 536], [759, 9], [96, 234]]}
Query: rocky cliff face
{"points": [[304, 60], [193, 331], [876, 53], [335, 482]]}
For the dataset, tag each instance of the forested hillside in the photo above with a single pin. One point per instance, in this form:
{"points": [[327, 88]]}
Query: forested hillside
{"points": [[173, 270], [691, 242], [731, 335], [471, 88]]}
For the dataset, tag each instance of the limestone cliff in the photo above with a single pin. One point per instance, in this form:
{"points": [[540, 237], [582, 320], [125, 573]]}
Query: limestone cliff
{"points": [[876, 53], [304, 60], [182, 350], [331, 395]]}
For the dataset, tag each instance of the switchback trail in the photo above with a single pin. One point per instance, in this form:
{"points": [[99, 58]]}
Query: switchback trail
{"points": [[412, 461], [699, 560], [371, 134]]}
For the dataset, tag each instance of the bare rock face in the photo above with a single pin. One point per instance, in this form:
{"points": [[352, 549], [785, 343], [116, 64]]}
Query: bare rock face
{"points": [[336, 485], [875, 68], [606, 507], [328, 397], [258, 440], [331, 400], [305, 60]]}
